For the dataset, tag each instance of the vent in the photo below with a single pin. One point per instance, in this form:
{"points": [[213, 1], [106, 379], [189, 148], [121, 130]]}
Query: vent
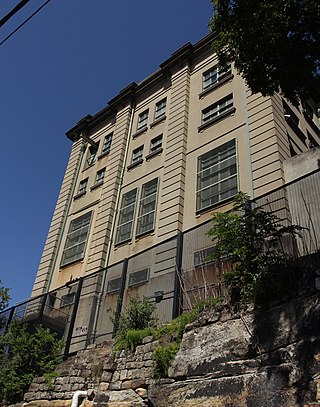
{"points": [[113, 285], [138, 277]]}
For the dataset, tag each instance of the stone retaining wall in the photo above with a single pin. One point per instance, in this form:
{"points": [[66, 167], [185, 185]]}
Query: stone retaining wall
{"points": [[265, 358]]}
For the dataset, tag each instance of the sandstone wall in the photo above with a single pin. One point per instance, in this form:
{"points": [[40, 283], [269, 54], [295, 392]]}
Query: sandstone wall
{"points": [[258, 358]]}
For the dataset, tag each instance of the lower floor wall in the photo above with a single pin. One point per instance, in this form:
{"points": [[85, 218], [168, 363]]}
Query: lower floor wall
{"points": [[263, 358]]}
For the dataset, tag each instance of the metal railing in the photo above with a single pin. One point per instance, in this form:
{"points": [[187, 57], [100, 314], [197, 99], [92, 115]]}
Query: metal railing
{"points": [[173, 274]]}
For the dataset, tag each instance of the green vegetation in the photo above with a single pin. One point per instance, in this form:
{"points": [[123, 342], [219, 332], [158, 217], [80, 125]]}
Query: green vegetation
{"points": [[141, 312], [24, 356], [250, 239], [135, 323], [275, 44], [4, 297]]}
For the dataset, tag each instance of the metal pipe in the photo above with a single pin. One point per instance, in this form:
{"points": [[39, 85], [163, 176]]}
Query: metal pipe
{"points": [[81, 394], [248, 139], [104, 276]]}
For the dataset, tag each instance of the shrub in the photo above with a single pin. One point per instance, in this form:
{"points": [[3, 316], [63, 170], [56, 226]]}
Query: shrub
{"points": [[24, 356], [163, 356], [250, 239]]}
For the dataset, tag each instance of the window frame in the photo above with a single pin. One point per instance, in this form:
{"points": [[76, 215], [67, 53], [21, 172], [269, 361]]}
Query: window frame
{"points": [[219, 169], [106, 147], [142, 205], [160, 110], [143, 121], [99, 180], [123, 207], [83, 184], [221, 72], [80, 255], [137, 155]]}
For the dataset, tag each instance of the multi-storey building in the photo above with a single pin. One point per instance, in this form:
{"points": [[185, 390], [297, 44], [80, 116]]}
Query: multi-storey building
{"points": [[155, 163]]}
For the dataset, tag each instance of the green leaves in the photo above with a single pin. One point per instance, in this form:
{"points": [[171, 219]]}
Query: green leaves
{"points": [[274, 44], [23, 356], [250, 239]]}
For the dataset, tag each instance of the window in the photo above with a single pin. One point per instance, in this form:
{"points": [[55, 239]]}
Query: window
{"points": [[107, 144], [156, 144], [83, 186], [215, 75], [147, 207], [160, 109], [113, 285], [76, 239], [100, 176], [138, 277], [217, 109], [217, 175], [143, 119], [67, 299], [137, 155], [203, 257], [146, 215], [92, 154], [126, 216]]}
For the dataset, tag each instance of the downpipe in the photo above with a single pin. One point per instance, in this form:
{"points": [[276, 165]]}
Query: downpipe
{"points": [[81, 394]]}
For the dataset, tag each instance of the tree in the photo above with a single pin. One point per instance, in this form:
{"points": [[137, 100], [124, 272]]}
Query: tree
{"points": [[23, 356], [250, 239], [274, 44], [4, 297]]}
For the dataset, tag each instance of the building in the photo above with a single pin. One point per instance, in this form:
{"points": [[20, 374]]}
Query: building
{"points": [[152, 166]]}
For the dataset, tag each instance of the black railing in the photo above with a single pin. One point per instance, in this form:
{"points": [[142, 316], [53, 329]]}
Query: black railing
{"points": [[172, 274]]}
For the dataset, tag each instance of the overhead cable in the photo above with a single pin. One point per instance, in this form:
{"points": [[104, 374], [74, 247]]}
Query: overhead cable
{"points": [[24, 22]]}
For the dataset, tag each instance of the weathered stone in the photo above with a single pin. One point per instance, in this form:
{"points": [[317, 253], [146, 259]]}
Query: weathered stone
{"points": [[123, 374], [127, 398], [149, 363], [115, 385], [147, 356], [106, 376], [103, 386], [116, 376], [147, 339]]}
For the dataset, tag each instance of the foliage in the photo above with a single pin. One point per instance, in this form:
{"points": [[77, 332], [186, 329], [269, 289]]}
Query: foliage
{"points": [[23, 356], [274, 43], [163, 357], [251, 240], [4, 297], [138, 316]]}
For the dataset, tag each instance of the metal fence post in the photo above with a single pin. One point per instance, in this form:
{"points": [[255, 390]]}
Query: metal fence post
{"points": [[42, 306], [177, 292], [120, 298], [12, 310], [73, 318]]}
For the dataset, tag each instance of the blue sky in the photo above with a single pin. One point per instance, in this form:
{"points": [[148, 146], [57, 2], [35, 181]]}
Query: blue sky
{"points": [[65, 63]]}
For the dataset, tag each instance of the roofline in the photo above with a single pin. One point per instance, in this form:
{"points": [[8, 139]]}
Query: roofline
{"points": [[185, 53]]}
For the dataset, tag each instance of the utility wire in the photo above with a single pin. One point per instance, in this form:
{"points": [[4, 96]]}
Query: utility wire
{"points": [[25, 21], [13, 11]]}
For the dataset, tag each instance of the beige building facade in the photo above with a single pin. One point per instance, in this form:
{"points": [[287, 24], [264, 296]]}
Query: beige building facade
{"points": [[159, 159]]}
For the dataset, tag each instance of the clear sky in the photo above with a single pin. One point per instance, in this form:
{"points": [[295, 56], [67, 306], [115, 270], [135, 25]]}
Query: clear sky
{"points": [[65, 63]]}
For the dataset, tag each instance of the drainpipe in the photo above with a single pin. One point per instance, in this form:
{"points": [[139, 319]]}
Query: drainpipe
{"points": [[248, 139], [96, 315], [79, 394], [64, 222]]}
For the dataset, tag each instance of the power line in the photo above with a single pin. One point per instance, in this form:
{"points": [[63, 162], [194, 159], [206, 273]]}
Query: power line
{"points": [[25, 21], [13, 11]]}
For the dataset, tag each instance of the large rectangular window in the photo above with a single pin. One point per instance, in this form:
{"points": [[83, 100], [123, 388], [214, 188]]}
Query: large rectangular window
{"points": [[76, 239], [147, 207], [126, 216], [217, 109], [217, 175]]}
